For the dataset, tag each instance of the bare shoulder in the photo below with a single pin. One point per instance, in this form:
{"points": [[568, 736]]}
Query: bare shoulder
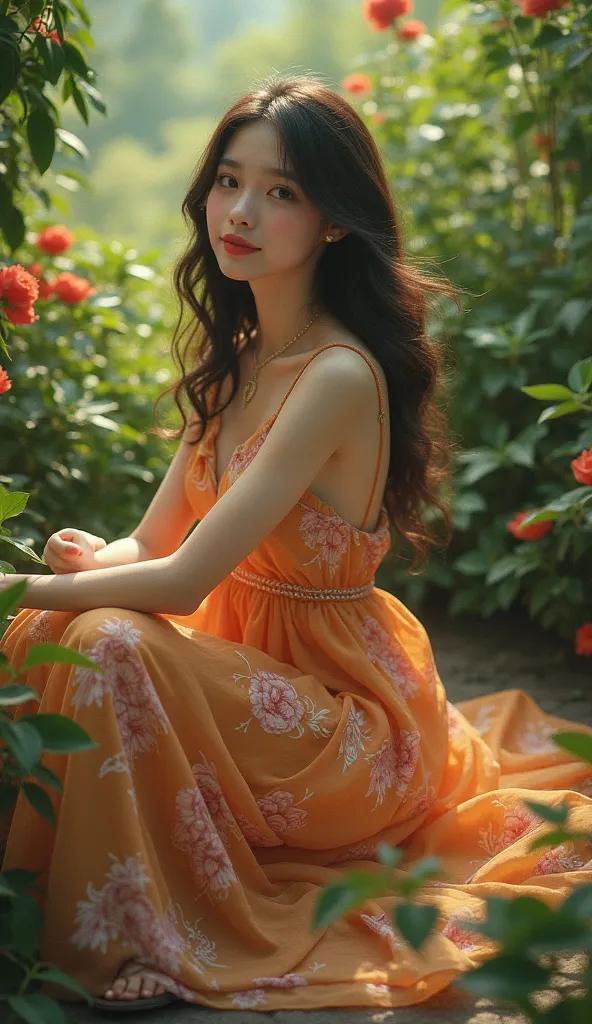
{"points": [[350, 362]]}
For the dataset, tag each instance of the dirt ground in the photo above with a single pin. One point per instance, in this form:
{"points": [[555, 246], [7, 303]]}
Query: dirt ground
{"points": [[474, 657]]}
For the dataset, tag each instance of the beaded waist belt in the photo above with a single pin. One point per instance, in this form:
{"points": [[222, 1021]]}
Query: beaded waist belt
{"points": [[252, 579]]}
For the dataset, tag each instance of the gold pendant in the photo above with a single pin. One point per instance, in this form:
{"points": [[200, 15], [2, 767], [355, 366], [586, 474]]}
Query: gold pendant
{"points": [[249, 390]]}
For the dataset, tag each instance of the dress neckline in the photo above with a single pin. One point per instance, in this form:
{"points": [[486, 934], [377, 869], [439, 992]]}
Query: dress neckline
{"points": [[211, 432]]}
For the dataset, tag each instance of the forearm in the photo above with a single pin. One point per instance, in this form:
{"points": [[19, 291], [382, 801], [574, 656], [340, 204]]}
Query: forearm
{"points": [[125, 551], [144, 587]]}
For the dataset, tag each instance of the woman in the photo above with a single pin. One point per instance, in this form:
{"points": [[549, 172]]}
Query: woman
{"points": [[266, 715]]}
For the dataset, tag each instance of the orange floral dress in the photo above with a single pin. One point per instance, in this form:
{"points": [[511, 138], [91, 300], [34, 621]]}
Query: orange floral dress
{"points": [[251, 752]]}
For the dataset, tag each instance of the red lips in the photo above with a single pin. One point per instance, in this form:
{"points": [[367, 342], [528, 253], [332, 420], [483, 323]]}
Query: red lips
{"points": [[237, 240]]}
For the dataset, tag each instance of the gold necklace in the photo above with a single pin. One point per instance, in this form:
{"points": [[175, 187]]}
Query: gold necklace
{"points": [[251, 385]]}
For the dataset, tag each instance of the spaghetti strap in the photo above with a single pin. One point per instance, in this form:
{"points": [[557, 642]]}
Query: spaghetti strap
{"points": [[341, 344]]}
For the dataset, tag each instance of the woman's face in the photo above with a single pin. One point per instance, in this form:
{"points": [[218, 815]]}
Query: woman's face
{"points": [[261, 206]]}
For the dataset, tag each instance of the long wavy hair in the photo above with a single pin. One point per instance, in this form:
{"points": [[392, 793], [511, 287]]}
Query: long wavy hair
{"points": [[366, 282]]}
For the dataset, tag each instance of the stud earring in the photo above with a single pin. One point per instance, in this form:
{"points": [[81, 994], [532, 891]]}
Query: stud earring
{"points": [[328, 238]]}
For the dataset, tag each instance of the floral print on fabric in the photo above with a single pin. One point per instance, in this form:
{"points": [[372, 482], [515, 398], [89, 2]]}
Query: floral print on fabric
{"points": [[275, 704], [329, 535], [122, 912], [382, 650], [354, 736], [393, 766], [139, 712], [196, 835]]}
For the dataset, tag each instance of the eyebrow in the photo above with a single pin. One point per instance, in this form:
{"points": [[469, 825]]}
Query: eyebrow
{"points": [[276, 171]]}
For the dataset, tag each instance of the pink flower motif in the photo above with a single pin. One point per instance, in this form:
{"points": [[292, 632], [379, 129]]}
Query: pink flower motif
{"points": [[275, 703], [207, 782], [381, 649], [407, 755], [353, 736], [329, 534], [121, 912], [360, 851], [279, 812], [454, 931], [248, 999], [244, 454], [393, 765], [195, 835], [380, 924], [285, 981], [558, 859], [518, 820], [376, 546], [253, 836], [40, 629]]}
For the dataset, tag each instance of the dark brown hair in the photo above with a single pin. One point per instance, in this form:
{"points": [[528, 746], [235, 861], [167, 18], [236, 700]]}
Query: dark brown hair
{"points": [[365, 281]]}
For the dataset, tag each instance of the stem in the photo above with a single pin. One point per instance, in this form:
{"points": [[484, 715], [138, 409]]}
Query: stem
{"points": [[520, 59]]}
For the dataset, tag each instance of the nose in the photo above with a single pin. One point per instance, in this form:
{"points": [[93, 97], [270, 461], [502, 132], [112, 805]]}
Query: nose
{"points": [[240, 211]]}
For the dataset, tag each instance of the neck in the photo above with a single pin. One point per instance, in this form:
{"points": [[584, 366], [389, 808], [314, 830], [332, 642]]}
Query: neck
{"points": [[282, 313]]}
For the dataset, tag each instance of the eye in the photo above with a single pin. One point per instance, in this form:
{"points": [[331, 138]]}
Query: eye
{"points": [[282, 187]]}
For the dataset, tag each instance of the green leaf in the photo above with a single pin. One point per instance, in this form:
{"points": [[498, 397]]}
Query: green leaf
{"points": [[47, 777], [580, 375], [504, 567], [547, 391], [57, 977], [579, 902], [340, 897], [12, 503], [79, 100], [471, 563], [415, 922], [388, 855], [577, 58], [10, 66], [72, 142], [21, 546], [12, 220], [554, 838], [52, 56], [505, 977], [41, 138], [58, 734], [75, 59], [23, 741], [41, 654], [26, 922], [40, 801], [553, 412], [578, 743], [16, 694], [573, 313], [37, 1009], [556, 815]]}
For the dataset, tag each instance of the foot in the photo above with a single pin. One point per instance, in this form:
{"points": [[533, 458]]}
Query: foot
{"points": [[134, 981]]}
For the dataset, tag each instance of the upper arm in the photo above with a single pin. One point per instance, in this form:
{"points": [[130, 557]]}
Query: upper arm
{"points": [[317, 418], [169, 516]]}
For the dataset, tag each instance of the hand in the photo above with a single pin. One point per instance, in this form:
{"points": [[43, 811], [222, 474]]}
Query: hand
{"points": [[71, 550]]}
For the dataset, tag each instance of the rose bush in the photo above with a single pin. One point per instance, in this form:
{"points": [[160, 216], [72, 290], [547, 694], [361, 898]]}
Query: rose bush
{"points": [[485, 129]]}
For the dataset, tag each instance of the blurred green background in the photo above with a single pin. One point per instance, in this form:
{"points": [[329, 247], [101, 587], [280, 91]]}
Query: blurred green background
{"points": [[167, 69]]}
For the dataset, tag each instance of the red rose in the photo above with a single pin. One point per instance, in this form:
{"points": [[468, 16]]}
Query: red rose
{"points": [[72, 289], [17, 286], [5, 382], [55, 239], [20, 314], [537, 8], [532, 532], [582, 468], [38, 26], [584, 639], [381, 13], [411, 30], [356, 83], [542, 140]]}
